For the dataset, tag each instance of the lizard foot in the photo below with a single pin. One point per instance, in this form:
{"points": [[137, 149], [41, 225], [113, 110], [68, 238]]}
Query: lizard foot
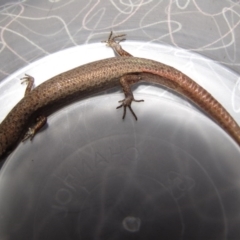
{"points": [[127, 103], [41, 121], [29, 80]]}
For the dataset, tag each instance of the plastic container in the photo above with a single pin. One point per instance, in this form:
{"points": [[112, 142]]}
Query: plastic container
{"points": [[173, 174]]}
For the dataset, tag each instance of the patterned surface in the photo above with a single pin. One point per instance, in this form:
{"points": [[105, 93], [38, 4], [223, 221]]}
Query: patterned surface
{"points": [[31, 29]]}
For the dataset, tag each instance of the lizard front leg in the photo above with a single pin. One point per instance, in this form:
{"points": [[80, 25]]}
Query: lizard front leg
{"points": [[41, 120], [29, 80]]}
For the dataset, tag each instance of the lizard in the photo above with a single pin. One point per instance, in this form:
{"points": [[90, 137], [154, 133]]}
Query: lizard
{"points": [[31, 112]]}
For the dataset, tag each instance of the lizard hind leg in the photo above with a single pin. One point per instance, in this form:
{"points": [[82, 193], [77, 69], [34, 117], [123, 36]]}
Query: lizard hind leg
{"points": [[113, 42], [126, 82], [127, 103]]}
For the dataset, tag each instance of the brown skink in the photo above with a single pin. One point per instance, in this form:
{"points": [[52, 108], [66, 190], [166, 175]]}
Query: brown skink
{"points": [[98, 76]]}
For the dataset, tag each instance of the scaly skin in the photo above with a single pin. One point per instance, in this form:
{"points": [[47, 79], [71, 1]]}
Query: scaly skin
{"points": [[98, 76]]}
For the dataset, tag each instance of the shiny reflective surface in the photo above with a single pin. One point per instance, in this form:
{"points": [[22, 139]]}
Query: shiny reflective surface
{"points": [[174, 174]]}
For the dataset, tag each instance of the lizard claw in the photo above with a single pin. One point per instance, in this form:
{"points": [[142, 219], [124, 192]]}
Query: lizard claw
{"points": [[113, 39], [26, 79], [127, 103], [29, 134], [113, 42], [41, 121], [29, 80]]}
